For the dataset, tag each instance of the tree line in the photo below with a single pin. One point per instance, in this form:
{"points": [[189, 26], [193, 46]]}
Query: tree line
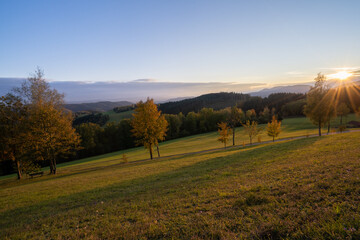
{"points": [[38, 130]]}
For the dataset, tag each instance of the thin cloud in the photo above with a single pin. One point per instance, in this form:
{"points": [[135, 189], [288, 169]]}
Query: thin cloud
{"points": [[135, 90]]}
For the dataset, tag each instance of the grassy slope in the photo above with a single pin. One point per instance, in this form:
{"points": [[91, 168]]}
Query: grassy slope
{"points": [[308, 188], [291, 127], [117, 117]]}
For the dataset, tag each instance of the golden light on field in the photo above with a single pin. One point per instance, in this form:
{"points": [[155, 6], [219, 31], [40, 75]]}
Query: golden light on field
{"points": [[340, 75]]}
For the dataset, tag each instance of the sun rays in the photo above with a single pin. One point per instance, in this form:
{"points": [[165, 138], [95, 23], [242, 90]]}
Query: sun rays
{"points": [[342, 75]]}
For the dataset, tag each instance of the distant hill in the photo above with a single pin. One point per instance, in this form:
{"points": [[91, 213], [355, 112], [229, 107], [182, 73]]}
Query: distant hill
{"points": [[216, 101], [97, 106], [282, 89]]}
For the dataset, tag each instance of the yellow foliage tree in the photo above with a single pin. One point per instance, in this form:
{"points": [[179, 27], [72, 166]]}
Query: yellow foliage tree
{"points": [[224, 131], [251, 129], [274, 128], [52, 134], [149, 126]]}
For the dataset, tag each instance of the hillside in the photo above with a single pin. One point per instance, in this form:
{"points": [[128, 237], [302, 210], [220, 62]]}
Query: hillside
{"points": [[307, 188], [216, 101], [96, 106], [282, 89]]}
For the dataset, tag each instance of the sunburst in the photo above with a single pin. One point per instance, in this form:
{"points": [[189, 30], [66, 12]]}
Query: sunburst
{"points": [[340, 75]]}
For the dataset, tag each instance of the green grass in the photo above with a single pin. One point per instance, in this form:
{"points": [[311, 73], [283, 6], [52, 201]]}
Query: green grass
{"points": [[300, 189], [291, 127], [117, 117]]}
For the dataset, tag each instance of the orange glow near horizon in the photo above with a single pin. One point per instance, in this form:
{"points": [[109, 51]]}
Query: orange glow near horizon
{"points": [[340, 75]]}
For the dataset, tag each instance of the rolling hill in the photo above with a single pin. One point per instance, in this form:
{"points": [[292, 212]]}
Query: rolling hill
{"points": [[298, 189], [97, 106]]}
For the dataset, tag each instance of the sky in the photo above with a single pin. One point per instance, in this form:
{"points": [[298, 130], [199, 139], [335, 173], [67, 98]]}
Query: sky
{"points": [[268, 42]]}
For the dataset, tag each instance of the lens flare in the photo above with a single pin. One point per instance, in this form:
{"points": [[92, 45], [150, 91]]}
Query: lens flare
{"points": [[340, 75]]}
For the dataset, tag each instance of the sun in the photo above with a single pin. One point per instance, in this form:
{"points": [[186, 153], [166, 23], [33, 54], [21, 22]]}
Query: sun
{"points": [[340, 75]]}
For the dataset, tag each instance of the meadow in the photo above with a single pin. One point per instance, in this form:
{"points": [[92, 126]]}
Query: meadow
{"points": [[300, 189], [117, 117], [291, 128]]}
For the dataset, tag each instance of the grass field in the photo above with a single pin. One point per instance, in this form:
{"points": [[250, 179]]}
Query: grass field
{"points": [[117, 117], [300, 189], [291, 127]]}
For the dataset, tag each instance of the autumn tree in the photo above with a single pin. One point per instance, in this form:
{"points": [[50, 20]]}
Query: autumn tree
{"points": [[318, 105], [236, 114], [251, 129], [54, 134], [224, 131], [14, 137], [250, 114], [149, 126], [50, 123], [274, 128], [342, 110]]}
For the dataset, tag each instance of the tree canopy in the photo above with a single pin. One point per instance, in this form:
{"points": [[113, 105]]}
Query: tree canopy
{"points": [[273, 128], [319, 106], [224, 131], [251, 129], [149, 126], [35, 116]]}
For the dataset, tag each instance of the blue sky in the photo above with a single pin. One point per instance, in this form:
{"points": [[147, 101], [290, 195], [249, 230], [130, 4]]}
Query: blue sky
{"points": [[179, 41]]}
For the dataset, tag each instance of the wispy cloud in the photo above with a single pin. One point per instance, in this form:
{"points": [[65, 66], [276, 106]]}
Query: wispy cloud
{"points": [[135, 90]]}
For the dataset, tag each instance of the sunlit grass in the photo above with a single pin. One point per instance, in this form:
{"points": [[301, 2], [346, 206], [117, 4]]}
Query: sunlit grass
{"points": [[305, 188], [292, 127]]}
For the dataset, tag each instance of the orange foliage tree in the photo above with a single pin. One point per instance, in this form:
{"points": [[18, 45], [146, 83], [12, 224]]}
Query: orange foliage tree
{"points": [[149, 126], [224, 131]]}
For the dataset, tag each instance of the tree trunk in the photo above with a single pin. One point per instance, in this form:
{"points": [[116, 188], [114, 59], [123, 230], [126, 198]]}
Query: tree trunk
{"points": [[250, 140], [151, 154], [319, 128], [51, 166], [340, 119], [18, 166], [328, 128], [234, 136], [54, 165], [273, 138], [158, 151]]}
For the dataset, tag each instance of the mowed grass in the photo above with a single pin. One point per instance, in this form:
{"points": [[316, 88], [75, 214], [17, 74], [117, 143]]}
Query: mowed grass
{"points": [[300, 189], [291, 127]]}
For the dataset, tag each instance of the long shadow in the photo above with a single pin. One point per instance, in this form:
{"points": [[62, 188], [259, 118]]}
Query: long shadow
{"points": [[192, 176]]}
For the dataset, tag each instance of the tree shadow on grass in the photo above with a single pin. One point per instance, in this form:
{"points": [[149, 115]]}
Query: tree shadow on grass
{"points": [[193, 176]]}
